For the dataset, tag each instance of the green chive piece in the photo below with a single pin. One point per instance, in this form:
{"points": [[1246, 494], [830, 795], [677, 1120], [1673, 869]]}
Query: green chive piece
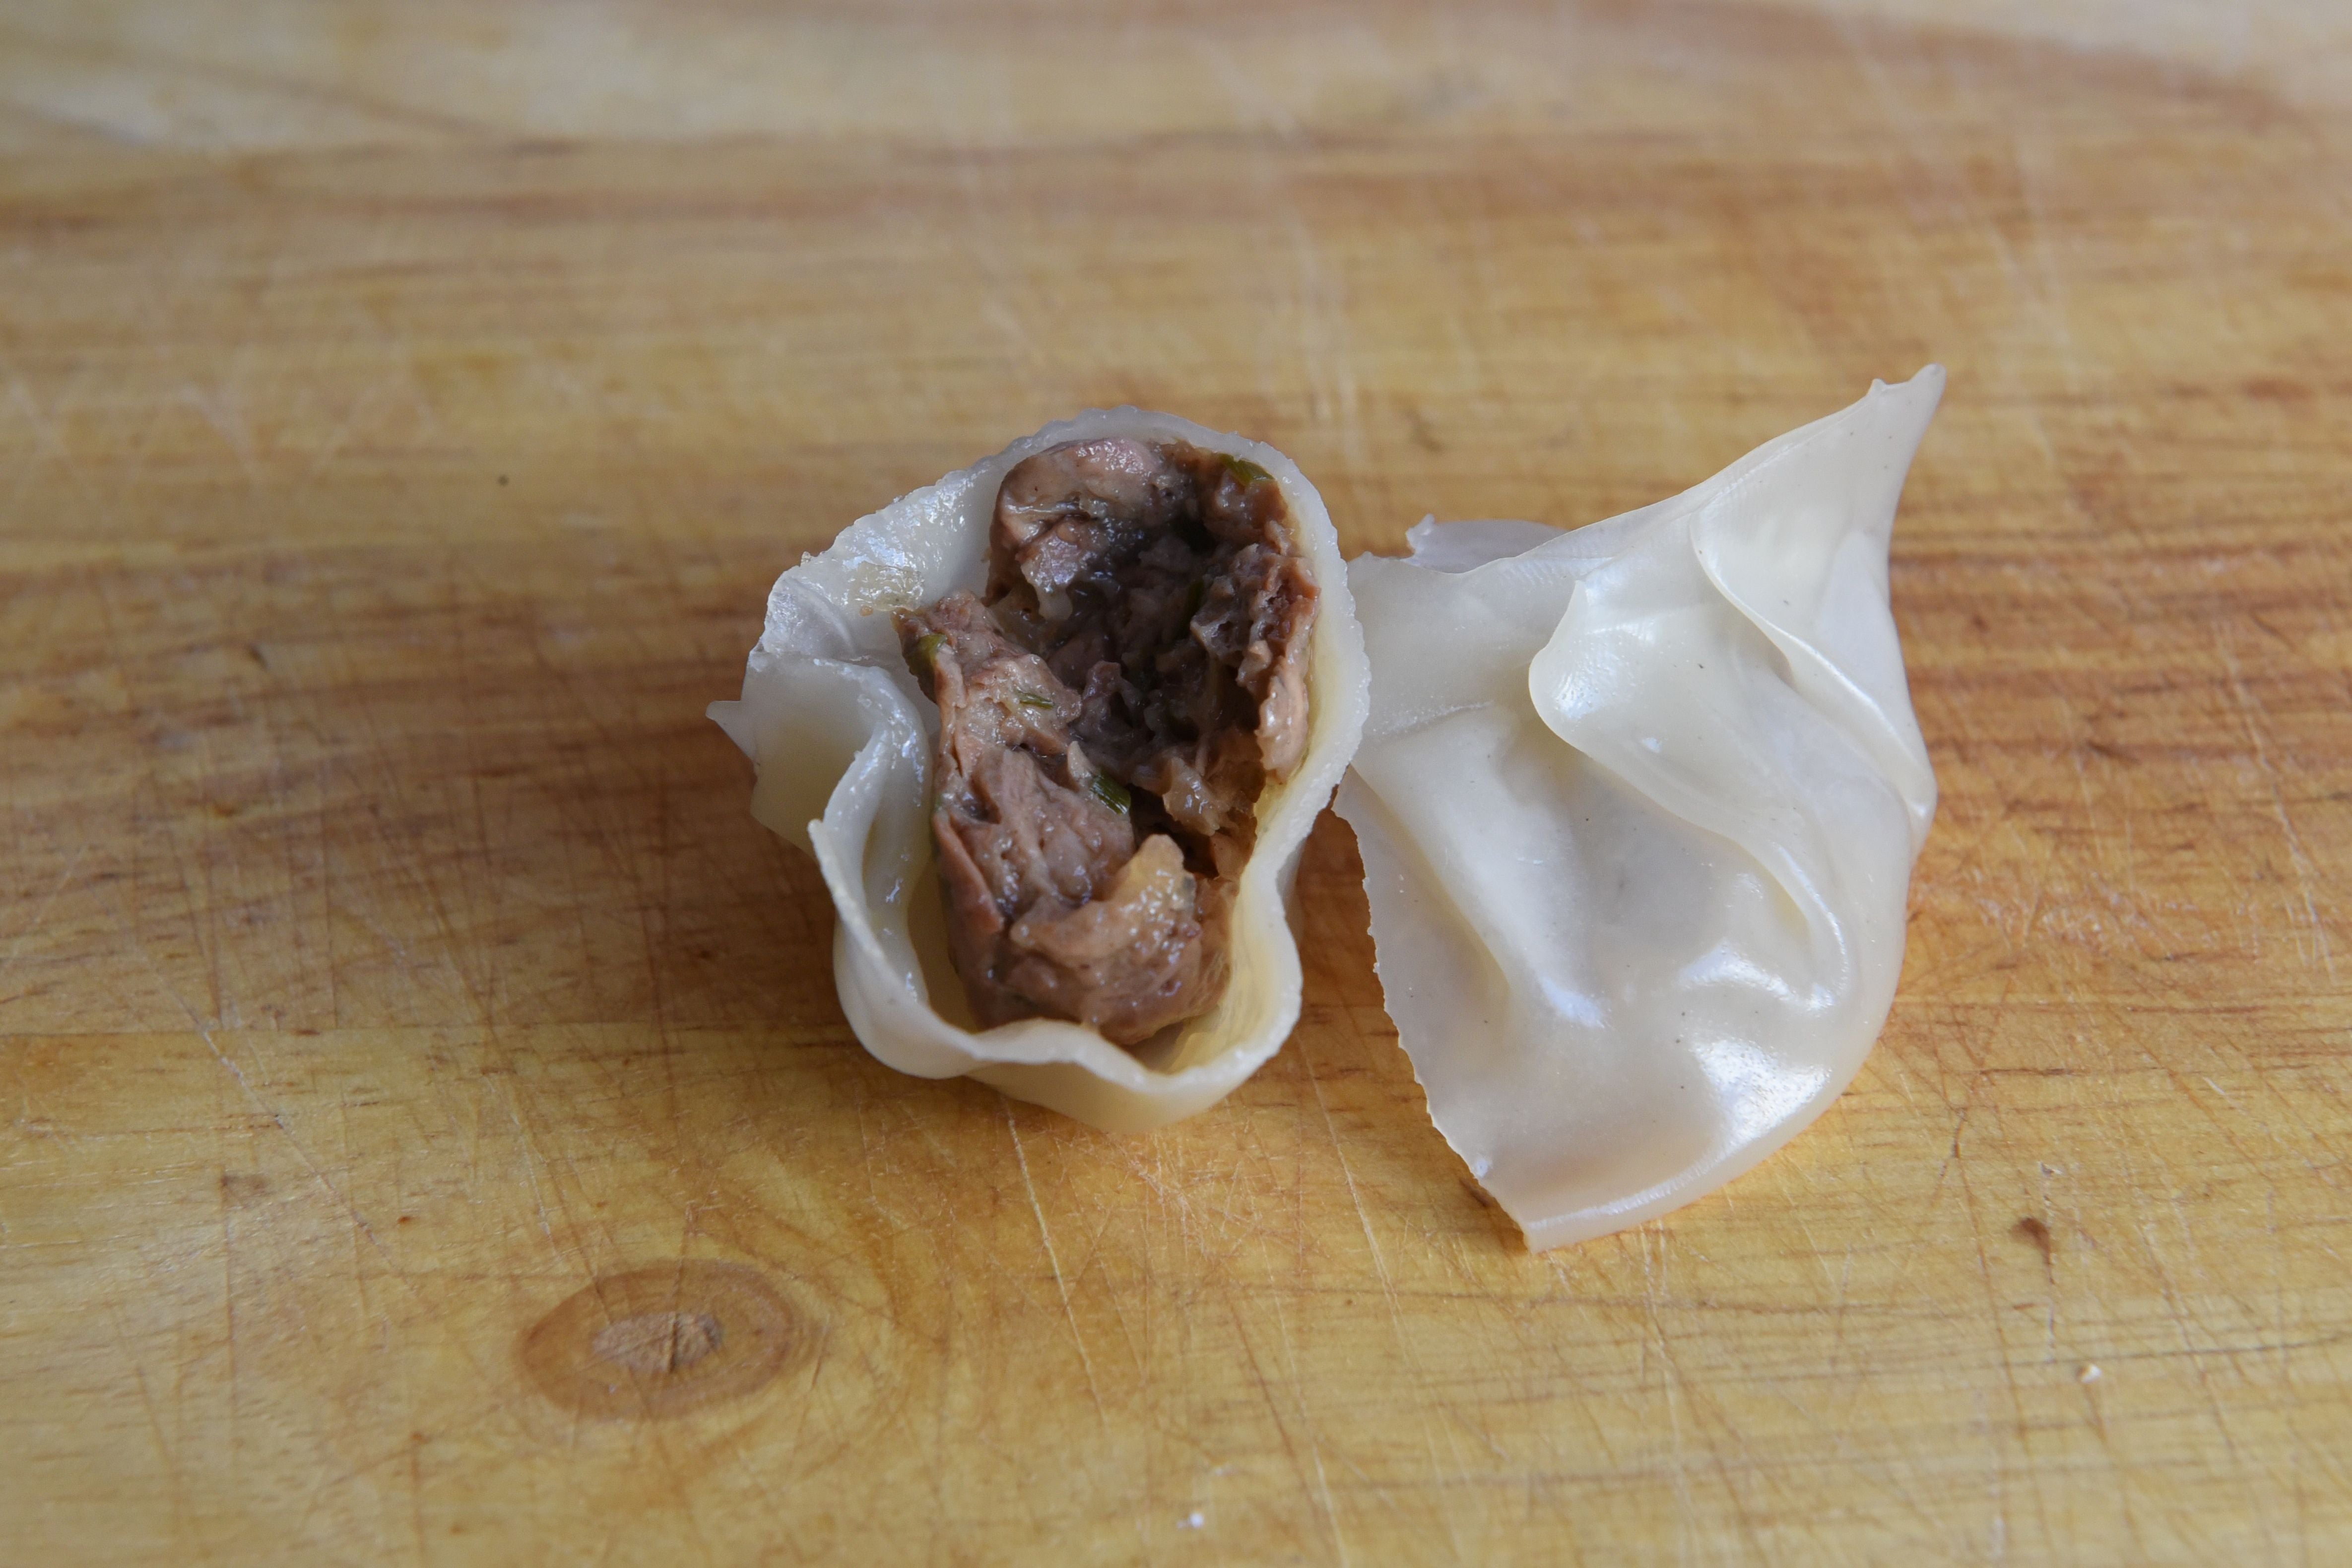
{"points": [[926, 652], [1031, 699], [1245, 470], [1110, 791]]}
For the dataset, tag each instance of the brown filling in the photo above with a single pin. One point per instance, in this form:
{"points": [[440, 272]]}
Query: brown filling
{"points": [[1109, 713]]}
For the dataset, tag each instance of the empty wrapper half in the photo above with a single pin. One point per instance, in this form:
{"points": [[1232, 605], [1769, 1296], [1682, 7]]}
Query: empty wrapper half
{"points": [[1638, 806]]}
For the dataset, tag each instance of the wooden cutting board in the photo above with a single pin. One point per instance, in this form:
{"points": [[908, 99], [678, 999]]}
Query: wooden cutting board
{"points": [[403, 411]]}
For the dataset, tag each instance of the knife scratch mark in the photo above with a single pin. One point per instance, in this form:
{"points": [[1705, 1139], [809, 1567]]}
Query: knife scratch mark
{"points": [[2250, 711], [1297, 1384], [1046, 1234], [1387, 1287], [41, 912]]}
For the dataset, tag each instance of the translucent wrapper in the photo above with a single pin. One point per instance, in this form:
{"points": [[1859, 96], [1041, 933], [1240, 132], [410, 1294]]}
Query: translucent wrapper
{"points": [[1638, 806], [843, 739]]}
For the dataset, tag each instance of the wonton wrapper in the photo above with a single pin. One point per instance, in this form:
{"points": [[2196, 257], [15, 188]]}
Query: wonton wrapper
{"points": [[1638, 807], [841, 739]]}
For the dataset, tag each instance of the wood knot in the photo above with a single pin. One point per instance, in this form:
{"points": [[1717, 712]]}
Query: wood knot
{"points": [[654, 1343]]}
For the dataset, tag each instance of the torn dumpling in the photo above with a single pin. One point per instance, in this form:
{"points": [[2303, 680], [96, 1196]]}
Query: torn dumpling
{"points": [[1638, 806], [1118, 676]]}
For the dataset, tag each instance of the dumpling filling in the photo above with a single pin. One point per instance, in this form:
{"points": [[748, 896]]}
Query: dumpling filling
{"points": [[1110, 711]]}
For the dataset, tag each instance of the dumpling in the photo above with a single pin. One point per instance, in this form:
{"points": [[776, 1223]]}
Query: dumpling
{"points": [[1638, 806], [1055, 729]]}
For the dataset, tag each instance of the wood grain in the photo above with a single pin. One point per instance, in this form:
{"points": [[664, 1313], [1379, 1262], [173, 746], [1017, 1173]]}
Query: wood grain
{"points": [[402, 414]]}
